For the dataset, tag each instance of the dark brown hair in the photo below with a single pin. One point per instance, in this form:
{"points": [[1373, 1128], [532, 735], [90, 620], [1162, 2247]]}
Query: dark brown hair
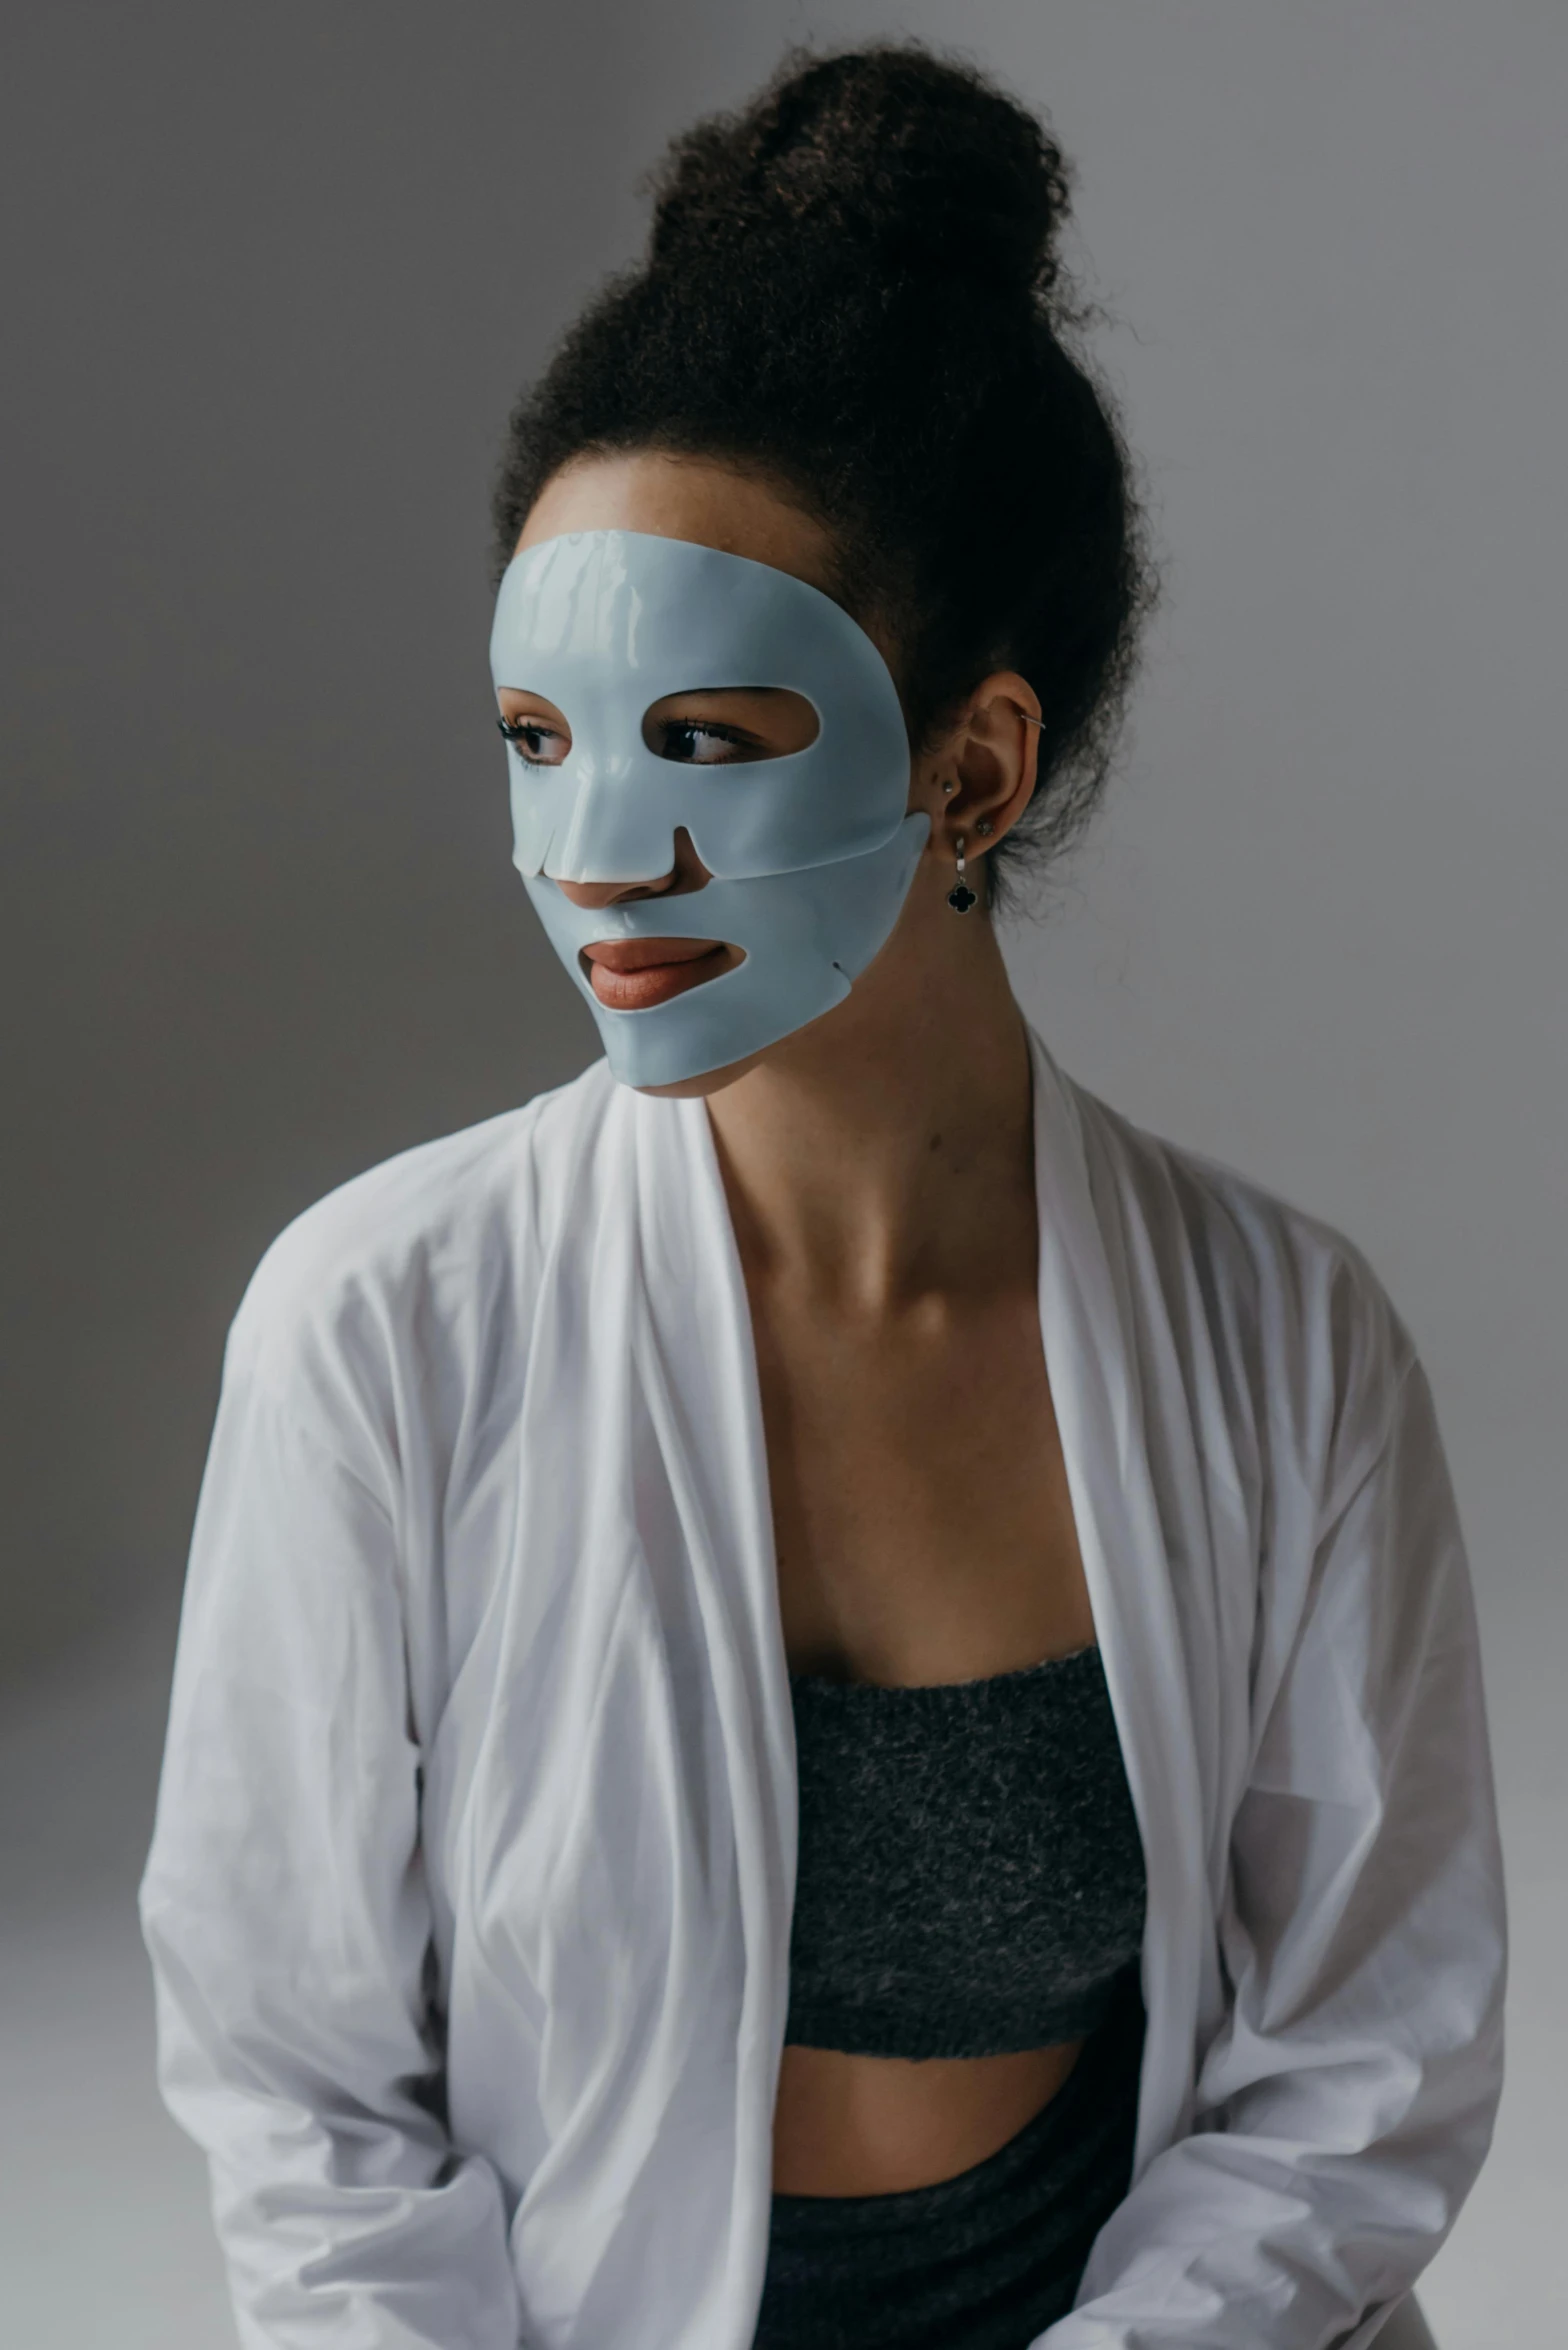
{"points": [[852, 287]]}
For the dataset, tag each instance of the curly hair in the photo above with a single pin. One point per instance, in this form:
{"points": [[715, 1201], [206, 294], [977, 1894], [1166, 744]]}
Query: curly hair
{"points": [[852, 288]]}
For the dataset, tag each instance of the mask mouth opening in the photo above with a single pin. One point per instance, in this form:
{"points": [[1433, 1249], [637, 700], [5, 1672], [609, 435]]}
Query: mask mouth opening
{"points": [[634, 975]]}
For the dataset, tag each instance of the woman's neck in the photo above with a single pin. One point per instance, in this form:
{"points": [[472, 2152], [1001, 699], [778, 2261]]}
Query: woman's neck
{"points": [[884, 1154]]}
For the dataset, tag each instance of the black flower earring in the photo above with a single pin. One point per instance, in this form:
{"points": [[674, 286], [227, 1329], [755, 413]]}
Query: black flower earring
{"points": [[961, 897]]}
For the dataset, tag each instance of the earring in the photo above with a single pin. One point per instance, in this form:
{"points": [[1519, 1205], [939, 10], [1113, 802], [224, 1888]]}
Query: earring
{"points": [[947, 787], [985, 828], [961, 897]]}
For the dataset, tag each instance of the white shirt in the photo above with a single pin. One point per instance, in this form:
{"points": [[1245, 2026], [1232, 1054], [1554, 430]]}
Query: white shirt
{"points": [[469, 1895]]}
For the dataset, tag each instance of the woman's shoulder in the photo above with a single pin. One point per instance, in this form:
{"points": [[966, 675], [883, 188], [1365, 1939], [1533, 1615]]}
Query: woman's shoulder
{"points": [[420, 1237], [1269, 1281]]}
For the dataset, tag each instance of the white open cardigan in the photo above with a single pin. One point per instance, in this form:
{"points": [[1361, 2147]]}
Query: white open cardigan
{"points": [[468, 1900]]}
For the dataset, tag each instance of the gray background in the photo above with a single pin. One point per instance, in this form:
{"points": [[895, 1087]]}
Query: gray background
{"points": [[272, 279]]}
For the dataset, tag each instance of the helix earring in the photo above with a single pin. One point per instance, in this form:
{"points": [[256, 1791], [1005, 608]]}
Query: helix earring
{"points": [[961, 897]]}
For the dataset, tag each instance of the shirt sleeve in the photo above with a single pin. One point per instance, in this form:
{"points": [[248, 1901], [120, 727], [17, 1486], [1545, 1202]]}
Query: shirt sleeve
{"points": [[284, 1907], [1346, 2104]]}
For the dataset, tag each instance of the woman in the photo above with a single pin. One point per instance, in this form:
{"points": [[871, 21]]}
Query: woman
{"points": [[825, 1697]]}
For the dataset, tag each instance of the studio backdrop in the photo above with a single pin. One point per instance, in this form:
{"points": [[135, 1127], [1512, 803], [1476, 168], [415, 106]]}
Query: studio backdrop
{"points": [[273, 279]]}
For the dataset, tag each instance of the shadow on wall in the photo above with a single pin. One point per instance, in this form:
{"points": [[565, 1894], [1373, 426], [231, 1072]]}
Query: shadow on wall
{"points": [[285, 273]]}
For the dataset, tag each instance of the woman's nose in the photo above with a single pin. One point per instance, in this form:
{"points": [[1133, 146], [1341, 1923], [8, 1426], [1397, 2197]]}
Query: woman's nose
{"points": [[614, 893], [688, 872]]}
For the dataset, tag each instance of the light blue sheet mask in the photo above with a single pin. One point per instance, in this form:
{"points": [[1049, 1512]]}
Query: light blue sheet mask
{"points": [[812, 853]]}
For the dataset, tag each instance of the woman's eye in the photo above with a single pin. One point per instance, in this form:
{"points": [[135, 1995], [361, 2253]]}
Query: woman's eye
{"points": [[538, 745], [700, 742]]}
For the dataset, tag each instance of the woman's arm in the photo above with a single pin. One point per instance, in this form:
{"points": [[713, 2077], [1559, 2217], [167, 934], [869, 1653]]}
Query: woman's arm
{"points": [[1345, 2107], [284, 1907]]}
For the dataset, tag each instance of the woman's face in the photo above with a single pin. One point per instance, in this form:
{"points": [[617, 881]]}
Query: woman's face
{"points": [[708, 505], [972, 785]]}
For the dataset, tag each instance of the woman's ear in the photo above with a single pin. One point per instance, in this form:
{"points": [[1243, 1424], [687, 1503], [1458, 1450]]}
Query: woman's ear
{"points": [[992, 756]]}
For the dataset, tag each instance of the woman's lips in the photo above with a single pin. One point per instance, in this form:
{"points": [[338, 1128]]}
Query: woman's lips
{"points": [[629, 974]]}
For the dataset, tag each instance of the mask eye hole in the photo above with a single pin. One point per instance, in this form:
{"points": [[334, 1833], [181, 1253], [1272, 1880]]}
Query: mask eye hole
{"points": [[720, 726], [534, 727]]}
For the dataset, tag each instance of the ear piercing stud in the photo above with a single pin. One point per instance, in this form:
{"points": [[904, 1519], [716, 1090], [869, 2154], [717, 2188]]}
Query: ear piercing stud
{"points": [[985, 827]]}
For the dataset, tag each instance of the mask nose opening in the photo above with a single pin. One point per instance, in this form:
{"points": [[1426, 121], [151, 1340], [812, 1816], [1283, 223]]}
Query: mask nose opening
{"points": [[682, 877]]}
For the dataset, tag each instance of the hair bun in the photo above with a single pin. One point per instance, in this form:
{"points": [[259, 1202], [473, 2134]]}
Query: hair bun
{"points": [[888, 152]]}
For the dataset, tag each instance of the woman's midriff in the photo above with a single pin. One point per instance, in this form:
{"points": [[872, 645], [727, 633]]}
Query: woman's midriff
{"points": [[875, 2125]]}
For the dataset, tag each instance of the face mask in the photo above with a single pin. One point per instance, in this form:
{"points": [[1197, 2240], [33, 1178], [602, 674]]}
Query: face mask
{"points": [[811, 853]]}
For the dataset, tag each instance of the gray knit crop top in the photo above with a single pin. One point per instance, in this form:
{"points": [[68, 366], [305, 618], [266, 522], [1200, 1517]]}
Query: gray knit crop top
{"points": [[970, 1876]]}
